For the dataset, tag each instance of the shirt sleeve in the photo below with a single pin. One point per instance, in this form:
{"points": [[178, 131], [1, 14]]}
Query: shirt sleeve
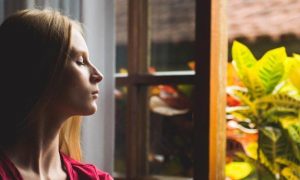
{"points": [[103, 175]]}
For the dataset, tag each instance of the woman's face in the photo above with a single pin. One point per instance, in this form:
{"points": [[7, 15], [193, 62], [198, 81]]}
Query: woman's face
{"points": [[79, 90]]}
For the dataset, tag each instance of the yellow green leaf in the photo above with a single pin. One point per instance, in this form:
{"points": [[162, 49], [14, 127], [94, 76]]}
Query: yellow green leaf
{"points": [[294, 73], [251, 150], [270, 68], [238, 170], [243, 59]]}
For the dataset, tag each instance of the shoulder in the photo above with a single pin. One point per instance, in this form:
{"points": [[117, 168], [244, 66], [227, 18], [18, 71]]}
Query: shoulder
{"points": [[79, 170]]}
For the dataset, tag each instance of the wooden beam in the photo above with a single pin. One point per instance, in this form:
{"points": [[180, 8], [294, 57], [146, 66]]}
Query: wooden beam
{"points": [[211, 44], [218, 77], [136, 136], [201, 107], [155, 80]]}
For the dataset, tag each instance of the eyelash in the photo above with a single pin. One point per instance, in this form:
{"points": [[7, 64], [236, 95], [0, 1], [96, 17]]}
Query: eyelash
{"points": [[80, 62]]}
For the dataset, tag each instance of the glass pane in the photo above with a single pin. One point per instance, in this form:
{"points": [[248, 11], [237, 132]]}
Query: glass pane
{"points": [[121, 36], [171, 128], [67, 7], [120, 136], [172, 35], [262, 131], [2, 14]]}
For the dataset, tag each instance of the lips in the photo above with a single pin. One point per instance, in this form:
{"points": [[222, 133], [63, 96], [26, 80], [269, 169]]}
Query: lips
{"points": [[95, 94]]}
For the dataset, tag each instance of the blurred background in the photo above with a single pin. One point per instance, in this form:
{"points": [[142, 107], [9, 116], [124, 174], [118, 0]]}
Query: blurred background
{"points": [[148, 52]]}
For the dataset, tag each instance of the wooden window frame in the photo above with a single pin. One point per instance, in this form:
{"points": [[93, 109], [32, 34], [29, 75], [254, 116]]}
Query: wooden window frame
{"points": [[209, 81]]}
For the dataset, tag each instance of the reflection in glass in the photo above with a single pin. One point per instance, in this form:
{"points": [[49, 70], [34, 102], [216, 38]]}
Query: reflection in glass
{"points": [[171, 124], [121, 36], [172, 34], [120, 118]]}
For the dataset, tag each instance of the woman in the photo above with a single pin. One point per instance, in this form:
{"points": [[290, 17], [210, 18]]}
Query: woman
{"points": [[48, 81]]}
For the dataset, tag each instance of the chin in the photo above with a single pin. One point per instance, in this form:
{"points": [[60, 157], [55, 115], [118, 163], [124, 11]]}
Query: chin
{"points": [[85, 110], [92, 110]]}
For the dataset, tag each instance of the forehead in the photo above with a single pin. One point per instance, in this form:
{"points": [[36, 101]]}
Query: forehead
{"points": [[78, 44]]}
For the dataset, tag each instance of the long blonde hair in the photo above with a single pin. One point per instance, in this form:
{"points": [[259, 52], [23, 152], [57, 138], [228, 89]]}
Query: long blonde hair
{"points": [[69, 138], [38, 42]]}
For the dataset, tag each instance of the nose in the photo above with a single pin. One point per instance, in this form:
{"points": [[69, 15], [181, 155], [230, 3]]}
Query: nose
{"points": [[96, 76]]}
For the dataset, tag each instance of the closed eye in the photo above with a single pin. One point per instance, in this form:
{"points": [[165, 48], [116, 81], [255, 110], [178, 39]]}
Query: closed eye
{"points": [[80, 61]]}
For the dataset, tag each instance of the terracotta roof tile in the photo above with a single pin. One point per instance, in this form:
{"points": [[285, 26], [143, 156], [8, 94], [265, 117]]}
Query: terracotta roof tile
{"points": [[173, 20], [272, 18]]}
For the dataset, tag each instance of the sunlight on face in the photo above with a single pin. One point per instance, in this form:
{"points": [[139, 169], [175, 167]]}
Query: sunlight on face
{"points": [[79, 90]]}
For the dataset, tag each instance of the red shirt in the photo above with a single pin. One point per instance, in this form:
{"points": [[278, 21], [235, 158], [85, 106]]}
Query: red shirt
{"points": [[74, 169]]}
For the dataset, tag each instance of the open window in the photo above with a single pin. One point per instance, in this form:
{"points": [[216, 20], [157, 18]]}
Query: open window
{"points": [[170, 95]]}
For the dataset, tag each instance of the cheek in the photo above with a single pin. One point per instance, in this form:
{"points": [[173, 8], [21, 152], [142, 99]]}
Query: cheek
{"points": [[75, 83], [76, 97], [77, 101]]}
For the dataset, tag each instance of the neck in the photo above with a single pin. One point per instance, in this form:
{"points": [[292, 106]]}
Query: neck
{"points": [[37, 148]]}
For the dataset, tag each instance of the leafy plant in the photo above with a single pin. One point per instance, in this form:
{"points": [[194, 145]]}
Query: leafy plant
{"points": [[270, 100]]}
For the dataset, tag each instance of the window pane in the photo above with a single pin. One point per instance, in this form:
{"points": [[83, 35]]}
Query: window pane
{"points": [[171, 128], [121, 35], [67, 7], [260, 142], [172, 35], [2, 14], [120, 136]]}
